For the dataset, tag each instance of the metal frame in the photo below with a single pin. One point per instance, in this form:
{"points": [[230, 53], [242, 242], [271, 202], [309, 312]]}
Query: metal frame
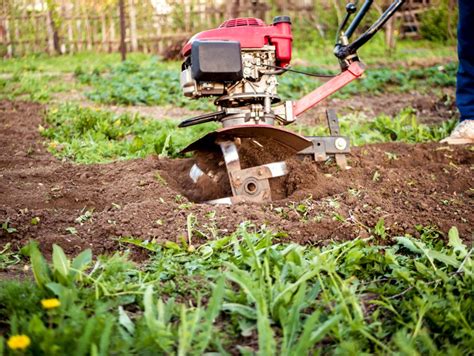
{"points": [[324, 147]]}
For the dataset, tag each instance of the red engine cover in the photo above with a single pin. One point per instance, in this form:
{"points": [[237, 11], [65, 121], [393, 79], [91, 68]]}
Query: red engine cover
{"points": [[251, 33]]}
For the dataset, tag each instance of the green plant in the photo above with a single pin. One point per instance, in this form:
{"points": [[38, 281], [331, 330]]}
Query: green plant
{"points": [[403, 127], [131, 83], [438, 24], [33, 86], [63, 272], [89, 135], [375, 81], [7, 227], [249, 288], [8, 257]]}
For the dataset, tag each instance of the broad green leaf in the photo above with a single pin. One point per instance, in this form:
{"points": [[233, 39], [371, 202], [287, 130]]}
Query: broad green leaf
{"points": [[57, 289], [39, 266], [60, 261], [318, 335], [456, 243], [84, 340], [36, 325], [125, 320], [442, 257], [293, 286], [407, 243], [240, 309], [213, 309], [149, 313], [290, 319], [304, 342], [81, 261], [243, 279]]}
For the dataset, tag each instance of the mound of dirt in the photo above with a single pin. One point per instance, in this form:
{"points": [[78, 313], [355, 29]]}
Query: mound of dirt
{"points": [[406, 185], [215, 184]]}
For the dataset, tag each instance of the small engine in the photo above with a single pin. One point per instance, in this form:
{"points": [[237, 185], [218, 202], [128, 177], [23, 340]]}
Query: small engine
{"points": [[239, 63]]}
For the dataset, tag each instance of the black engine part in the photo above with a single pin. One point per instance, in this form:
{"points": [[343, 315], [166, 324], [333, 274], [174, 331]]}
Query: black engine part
{"points": [[216, 61]]}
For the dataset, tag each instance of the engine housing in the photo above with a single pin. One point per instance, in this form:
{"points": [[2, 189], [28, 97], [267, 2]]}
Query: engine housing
{"points": [[237, 59]]}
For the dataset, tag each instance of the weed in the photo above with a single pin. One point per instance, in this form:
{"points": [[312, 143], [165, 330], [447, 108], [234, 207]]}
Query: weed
{"points": [[72, 230], [160, 179], [403, 127], [8, 257], [87, 215], [156, 83], [379, 229], [391, 156], [35, 221], [246, 288], [88, 135], [7, 227], [150, 83], [355, 192], [376, 176]]}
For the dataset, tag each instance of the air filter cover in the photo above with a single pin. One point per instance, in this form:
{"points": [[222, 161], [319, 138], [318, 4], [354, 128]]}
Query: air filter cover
{"points": [[216, 61]]}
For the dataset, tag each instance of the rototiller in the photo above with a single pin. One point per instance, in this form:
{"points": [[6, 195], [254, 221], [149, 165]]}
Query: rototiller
{"points": [[239, 63]]}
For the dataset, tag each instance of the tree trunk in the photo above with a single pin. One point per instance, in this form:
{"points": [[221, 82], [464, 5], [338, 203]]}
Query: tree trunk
{"points": [[123, 48]]}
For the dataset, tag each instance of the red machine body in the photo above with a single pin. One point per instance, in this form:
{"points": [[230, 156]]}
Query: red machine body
{"points": [[251, 33]]}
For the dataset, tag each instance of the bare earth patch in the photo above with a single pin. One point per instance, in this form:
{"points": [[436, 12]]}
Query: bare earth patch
{"points": [[406, 185]]}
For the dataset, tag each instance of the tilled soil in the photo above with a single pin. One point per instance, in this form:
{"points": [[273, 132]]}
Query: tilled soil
{"points": [[406, 185]]}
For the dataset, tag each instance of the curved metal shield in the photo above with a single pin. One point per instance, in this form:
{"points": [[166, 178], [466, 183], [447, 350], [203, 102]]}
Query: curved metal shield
{"points": [[284, 137]]}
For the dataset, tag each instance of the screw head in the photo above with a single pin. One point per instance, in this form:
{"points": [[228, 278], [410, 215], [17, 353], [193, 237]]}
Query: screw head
{"points": [[340, 143], [351, 8]]}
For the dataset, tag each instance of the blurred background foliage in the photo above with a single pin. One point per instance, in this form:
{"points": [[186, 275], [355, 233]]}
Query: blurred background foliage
{"points": [[161, 26]]}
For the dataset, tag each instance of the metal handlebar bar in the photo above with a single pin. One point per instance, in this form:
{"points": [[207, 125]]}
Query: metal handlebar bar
{"points": [[343, 51]]}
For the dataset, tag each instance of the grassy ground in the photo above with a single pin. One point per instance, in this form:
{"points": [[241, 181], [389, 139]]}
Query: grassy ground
{"points": [[88, 135], [245, 292], [318, 54], [146, 80]]}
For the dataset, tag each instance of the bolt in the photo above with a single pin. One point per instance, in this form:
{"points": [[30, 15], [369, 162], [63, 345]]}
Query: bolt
{"points": [[260, 172], [340, 144]]}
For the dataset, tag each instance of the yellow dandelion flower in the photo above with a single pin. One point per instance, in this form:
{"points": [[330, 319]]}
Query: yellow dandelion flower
{"points": [[50, 303], [18, 342], [53, 145]]}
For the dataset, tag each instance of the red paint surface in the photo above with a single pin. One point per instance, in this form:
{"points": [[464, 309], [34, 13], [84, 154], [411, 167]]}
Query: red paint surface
{"points": [[355, 70], [251, 33]]}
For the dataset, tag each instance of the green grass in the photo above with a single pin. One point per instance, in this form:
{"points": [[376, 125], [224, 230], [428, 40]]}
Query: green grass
{"points": [[147, 80], [319, 53], [404, 127], [66, 63], [247, 293], [34, 87], [156, 83], [88, 135], [151, 83], [376, 81]]}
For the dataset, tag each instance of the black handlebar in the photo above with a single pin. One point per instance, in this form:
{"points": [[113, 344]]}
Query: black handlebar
{"points": [[343, 51], [360, 15]]}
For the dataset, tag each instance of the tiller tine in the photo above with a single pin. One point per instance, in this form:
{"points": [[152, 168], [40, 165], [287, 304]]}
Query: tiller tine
{"points": [[248, 184]]}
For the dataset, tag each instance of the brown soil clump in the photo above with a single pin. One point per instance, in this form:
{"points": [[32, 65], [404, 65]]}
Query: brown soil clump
{"points": [[406, 185]]}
